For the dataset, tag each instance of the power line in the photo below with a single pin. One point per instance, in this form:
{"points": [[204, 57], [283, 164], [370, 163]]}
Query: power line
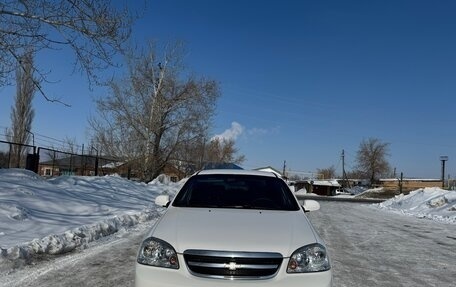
{"points": [[47, 141]]}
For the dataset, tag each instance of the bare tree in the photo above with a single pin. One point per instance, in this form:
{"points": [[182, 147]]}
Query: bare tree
{"points": [[93, 29], [327, 173], [371, 158], [356, 174], [70, 145], [189, 157], [195, 154], [22, 112], [223, 151], [153, 111]]}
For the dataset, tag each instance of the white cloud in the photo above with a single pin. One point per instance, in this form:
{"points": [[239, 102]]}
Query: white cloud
{"points": [[236, 130], [232, 133]]}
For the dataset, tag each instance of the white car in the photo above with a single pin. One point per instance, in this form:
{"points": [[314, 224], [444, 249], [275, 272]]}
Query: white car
{"points": [[233, 228]]}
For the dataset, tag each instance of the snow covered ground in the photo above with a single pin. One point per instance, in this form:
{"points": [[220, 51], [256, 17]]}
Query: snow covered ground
{"points": [[40, 217], [433, 203], [55, 216]]}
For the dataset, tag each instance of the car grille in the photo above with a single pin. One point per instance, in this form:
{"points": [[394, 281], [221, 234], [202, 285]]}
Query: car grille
{"points": [[233, 265]]}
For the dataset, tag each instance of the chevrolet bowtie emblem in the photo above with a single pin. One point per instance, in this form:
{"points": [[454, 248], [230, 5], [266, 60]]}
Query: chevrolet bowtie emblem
{"points": [[232, 266]]}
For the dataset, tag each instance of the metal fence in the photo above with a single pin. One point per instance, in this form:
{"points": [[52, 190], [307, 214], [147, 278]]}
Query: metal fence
{"points": [[13, 155], [51, 162]]}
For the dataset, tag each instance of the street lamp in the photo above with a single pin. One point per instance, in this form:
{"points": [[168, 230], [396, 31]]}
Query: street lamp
{"points": [[443, 159]]}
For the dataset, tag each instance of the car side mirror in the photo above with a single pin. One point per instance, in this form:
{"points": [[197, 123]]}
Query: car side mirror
{"points": [[310, 205], [162, 200]]}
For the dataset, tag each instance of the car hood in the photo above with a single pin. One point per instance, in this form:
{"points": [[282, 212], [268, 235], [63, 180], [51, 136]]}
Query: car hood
{"points": [[235, 230]]}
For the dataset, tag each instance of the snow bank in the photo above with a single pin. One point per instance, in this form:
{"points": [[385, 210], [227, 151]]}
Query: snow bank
{"points": [[361, 192], [55, 244], [432, 203], [55, 216], [302, 191], [356, 190]]}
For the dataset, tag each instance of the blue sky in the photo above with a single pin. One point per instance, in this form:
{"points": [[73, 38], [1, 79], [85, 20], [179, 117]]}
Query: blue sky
{"points": [[300, 80]]}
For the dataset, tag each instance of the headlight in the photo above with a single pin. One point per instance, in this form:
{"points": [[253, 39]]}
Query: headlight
{"points": [[310, 258], [156, 252]]}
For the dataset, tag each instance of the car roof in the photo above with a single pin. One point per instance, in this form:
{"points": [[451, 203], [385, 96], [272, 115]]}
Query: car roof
{"points": [[236, 172]]}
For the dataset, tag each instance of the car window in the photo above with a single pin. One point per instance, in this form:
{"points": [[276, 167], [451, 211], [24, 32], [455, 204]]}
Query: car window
{"points": [[236, 191]]}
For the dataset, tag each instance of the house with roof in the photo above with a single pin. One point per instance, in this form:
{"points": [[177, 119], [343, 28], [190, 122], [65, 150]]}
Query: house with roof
{"points": [[78, 165], [71, 165]]}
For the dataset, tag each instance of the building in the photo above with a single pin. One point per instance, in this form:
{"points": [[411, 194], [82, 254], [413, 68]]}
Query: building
{"points": [[70, 165], [83, 165], [320, 187]]}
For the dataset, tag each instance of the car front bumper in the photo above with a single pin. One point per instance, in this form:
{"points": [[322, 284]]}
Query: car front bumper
{"points": [[149, 276]]}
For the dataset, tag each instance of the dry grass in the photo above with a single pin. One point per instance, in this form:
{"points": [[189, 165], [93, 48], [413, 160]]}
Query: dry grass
{"points": [[384, 194]]}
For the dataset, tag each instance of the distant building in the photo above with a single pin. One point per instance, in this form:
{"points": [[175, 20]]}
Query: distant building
{"points": [[320, 187], [70, 165], [173, 173]]}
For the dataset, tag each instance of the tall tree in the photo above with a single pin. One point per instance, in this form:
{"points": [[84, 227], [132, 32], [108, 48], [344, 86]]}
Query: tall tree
{"points": [[70, 145], [189, 157], [154, 111], [22, 112], [94, 29], [355, 174], [327, 173], [223, 151], [371, 158]]}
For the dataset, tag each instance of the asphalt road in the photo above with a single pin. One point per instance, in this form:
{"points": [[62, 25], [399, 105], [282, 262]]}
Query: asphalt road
{"points": [[371, 247], [368, 247]]}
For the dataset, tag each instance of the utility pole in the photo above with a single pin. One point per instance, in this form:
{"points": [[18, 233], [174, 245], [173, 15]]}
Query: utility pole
{"points": [[343, 163], [443, 159], [344, 175], [284, 167]]}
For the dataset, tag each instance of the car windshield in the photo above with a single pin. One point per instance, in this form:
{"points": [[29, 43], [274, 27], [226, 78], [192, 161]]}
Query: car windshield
{"points": [[236, 191]]}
